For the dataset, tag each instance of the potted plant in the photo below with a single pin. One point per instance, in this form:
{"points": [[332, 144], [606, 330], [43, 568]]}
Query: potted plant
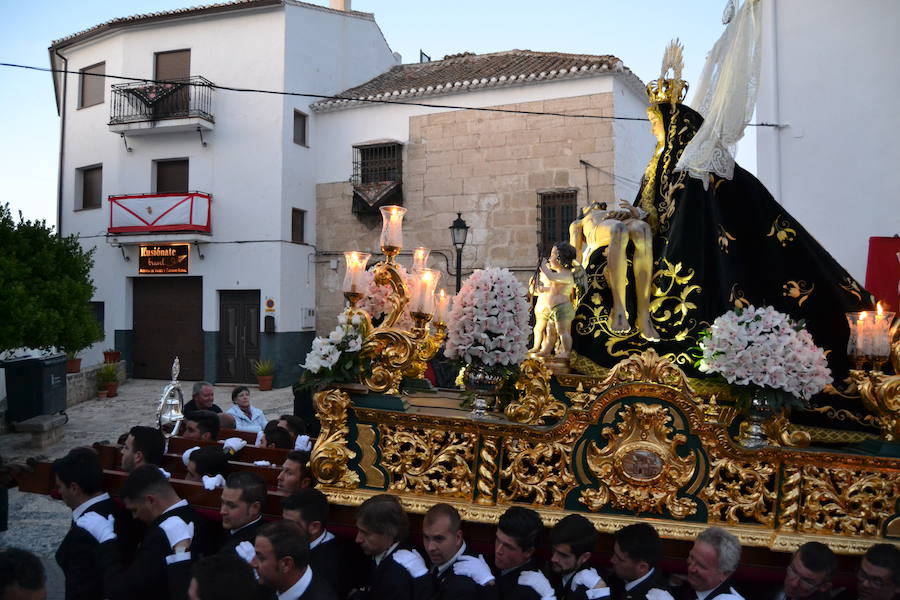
{"points": [[73, 363], [487, 329], [108, 376], [265, 373], [101, 390], [111, 356]]}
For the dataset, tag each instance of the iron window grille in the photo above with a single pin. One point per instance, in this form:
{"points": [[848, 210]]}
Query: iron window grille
{"points": [[377, 163], [557, 209]]}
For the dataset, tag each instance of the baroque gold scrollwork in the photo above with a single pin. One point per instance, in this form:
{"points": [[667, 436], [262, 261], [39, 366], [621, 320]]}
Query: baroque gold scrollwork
{"points": [[330, 455], [391, 351], [535, 403], [639, 469], [648, 367], [487, 471], [425, 460], [846, 501], [538, 472], [739, 489]]}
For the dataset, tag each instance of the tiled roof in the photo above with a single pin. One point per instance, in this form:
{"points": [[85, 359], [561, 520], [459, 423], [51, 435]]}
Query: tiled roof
{"points": [[187, 12], [466, 71]]}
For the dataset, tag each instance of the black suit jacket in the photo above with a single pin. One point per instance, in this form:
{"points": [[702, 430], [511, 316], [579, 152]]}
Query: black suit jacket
{"points": [[341, 563], [565, 592], [248, 534], [76, 557], [508, 587], [816, 596], [449, 586], [191, 406], [686, 592], [147, 577], [658, 580], [389, 580], [319, 589]]}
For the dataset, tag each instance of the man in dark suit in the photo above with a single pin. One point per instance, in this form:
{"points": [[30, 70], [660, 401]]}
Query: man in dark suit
{"points": [[878, 575], [242, 499], [202, 398], [79, 480], [201, 425], [443, 540], [172, 528], [808, 576], [222, 577], [517, 535], [282, 562], [294, 474], [637, 551], [395, 573], [143, 445], [21, 575], [572, 542], [711, 562]]}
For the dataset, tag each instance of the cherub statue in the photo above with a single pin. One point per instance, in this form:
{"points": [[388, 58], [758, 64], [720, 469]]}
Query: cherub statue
{"points": [[617, 227], [555, 308]]}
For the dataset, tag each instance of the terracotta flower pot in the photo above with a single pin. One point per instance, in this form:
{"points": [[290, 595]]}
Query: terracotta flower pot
{"points": [[265, 382], [112, 356], [101, 394], [112, 389], [73, 365]]}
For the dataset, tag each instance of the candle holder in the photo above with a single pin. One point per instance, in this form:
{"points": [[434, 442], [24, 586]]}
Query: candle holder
{"points": [[392, 231], [420, 258]]}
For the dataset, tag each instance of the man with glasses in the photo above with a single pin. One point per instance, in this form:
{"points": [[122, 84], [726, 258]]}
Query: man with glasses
{"points": [[878, 576], [809, 574]]}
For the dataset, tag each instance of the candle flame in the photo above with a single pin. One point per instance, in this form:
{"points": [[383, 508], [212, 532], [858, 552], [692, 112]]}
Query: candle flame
{"points": [[879, 308], [863, 316], [427, 275], [442, 294]]}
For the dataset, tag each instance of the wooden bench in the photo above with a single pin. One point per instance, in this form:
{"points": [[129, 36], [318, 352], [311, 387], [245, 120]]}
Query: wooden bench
{"points": [[247, 436], [248, 453]]}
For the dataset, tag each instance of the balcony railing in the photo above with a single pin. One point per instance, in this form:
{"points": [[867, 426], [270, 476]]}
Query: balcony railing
{"points": [[160, 213], [175, 99]]}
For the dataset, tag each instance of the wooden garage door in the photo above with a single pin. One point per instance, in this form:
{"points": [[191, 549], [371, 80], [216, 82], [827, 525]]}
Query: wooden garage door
{"points": [[168, 322]]}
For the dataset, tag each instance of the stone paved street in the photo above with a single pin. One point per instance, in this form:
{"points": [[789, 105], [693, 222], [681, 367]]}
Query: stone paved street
{"points": [[38, 523]]}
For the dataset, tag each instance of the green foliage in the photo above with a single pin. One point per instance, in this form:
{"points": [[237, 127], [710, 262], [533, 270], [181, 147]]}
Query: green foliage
{"points": [[263, 368], [108, 373], [46, 286]]}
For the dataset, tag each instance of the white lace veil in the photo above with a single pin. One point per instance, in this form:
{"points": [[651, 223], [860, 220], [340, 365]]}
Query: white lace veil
{"points": [[725, 96]]}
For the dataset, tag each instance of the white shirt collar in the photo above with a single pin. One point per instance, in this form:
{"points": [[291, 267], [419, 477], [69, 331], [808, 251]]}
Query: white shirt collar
{"points": [[387, 552], [326, 536], [297, 590], [446, 565], [178, 504], [78, 511], [632, 584], [256, 520]]}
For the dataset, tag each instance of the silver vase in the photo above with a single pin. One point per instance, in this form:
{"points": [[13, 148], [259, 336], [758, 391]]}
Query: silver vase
{"points": [[484, 382], [753, 434]]}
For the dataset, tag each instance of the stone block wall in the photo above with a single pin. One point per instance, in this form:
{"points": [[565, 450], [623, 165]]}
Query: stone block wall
{"points": [[489, 166], [82, 386]]}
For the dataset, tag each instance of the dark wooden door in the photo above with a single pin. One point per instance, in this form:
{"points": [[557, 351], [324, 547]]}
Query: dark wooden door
{"points": [[238, 334], [168, 322]]}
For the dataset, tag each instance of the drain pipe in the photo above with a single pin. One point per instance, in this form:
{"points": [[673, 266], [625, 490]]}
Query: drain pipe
{"points": [[62, 144]]}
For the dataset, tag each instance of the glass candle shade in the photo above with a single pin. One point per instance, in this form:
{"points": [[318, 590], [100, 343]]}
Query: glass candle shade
{"points": [[392, 227], [881, 333], [443, 307], [420, 258], [870, 334], [356, 266], [422, 300]]}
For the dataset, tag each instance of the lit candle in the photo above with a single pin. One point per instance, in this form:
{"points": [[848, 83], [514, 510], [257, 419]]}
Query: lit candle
{"points": [[392, 227], [420, 258], [423, 292], [443, 307], [881, 332], [862, 342], [356, 266]]}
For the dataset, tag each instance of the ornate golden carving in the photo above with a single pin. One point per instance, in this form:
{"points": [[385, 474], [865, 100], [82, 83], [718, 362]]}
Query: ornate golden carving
{"points": [[739, 489], [425, 460], [425, 351], [534, 404], [649, 366], [881, 396], [789, 506], [487, 471], [365, 439], [644, 438], [538, 472], [391, 351], [330, 455], [782, 231], [780, 431], [847, 501]]}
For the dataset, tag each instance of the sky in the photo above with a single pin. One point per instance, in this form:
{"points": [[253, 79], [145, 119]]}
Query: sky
{"points": [[636, 31]]}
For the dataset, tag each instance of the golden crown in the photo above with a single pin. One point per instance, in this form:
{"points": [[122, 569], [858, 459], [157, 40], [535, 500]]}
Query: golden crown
{"points": [[669, 89]]}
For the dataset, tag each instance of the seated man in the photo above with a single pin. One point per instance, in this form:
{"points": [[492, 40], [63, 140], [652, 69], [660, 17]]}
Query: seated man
{"points": [[572, 541], [274, 436], [242, 501], [151, 499], [202, 398], [809, 574], [711, 563], [637, 551], [443, 539], [294, 424], [282, 562], [222, 577], [207, 461], [201, 425], [21, 575], [227, 421], [878, 576], [517, 534], [143, 446], [294, 474]]}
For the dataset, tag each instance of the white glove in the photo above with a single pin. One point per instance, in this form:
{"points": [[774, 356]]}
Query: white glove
{"points": [[412, 561], [474, 568], [101, 528], [588, 578], [262, 463], [186, 456], [303, 444], [658, 594], [234, 445], [536, 581], [211, 482], [259, 438], [246, 551], [177, 530], [165, 473]]}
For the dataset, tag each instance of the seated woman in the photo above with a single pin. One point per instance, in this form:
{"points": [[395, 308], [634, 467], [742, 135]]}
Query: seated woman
{"points": [[246, 417]]}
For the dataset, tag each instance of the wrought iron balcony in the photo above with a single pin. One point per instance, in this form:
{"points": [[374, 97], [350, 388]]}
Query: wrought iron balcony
{"points": [[160, 213], [150, 103]]}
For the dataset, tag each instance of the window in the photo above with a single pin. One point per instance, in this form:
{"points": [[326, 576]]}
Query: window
{"points": [[172, 65], [376, 163], [172, 176], [298, 223], [300, 128], [558, 208], [89, 187], [97, 311], [91, 85]]}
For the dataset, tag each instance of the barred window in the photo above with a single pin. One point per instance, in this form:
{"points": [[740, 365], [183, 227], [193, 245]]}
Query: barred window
{"points": [[376, 163], [558, 209]]}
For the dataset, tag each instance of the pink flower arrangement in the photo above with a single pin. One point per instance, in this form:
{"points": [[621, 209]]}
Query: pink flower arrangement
{"points": [[764, 347], [375, 299], [489, 320]]}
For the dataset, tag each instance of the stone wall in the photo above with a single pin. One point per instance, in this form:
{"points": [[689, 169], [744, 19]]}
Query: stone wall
{"points": [[82, 386], [489, 166]]}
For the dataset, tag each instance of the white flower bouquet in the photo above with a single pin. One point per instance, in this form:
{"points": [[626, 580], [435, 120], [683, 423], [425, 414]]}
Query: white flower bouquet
{"points": [[336, 357], [765, 348], [489, 320]]}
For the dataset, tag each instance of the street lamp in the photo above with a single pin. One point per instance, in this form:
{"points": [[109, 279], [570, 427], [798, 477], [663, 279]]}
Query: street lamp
{"points": [[459, 231]]}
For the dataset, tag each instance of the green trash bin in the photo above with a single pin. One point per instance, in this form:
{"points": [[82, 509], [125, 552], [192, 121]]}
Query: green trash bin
{"points": [[35, 386]]}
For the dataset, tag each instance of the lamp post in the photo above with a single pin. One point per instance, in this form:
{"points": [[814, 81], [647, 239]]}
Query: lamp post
{"points": [[459, 231]]}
